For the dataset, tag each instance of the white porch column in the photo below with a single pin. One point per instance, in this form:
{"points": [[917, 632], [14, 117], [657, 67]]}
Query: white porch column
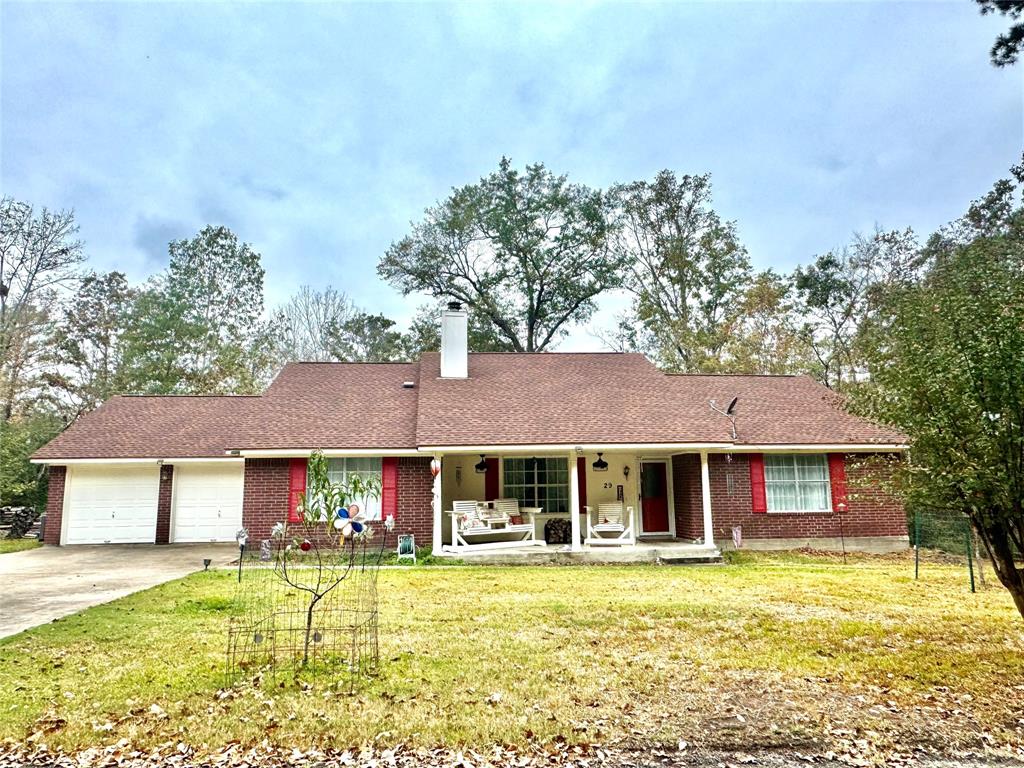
{"points": [[436, 503], [574, 502], [705, 499]]}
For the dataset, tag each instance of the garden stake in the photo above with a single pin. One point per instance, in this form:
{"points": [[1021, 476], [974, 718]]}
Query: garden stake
{"points": [[917, 542], [970, 558], [842, 536]]}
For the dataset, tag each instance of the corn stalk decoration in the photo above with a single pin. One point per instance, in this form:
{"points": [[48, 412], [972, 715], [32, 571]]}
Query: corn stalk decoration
{"points": [[318, 553]]}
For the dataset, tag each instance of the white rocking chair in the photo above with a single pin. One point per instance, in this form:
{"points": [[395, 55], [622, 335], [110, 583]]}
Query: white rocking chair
{"points": [[613, 525]]}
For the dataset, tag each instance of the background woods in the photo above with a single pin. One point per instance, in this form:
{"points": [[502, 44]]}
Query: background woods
{"points": [[528, 251]]}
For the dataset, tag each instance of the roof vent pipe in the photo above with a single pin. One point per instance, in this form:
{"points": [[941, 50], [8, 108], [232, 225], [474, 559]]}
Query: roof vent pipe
{"points": [[454, 342]]}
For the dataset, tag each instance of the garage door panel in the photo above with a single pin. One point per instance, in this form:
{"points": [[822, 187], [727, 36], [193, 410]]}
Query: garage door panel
{"points": [[112, 504], [207, 503]]}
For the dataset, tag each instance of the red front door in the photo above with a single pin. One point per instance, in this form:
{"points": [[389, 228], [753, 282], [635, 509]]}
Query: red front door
{"points": [[654, 497]]}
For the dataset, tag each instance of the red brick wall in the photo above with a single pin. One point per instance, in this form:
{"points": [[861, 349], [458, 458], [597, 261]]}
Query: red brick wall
{"points": [[265, 497], [872, 511], [415, 497], [163, 505], [54, 504], [686, 490]]}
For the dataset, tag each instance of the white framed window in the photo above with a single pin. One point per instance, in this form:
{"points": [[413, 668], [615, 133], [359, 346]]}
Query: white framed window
{"points": [[538, 482], [797, 482], [339, 471]]}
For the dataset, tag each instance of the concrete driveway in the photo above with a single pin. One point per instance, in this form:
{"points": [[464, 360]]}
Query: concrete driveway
{"points": [[40, 585]]}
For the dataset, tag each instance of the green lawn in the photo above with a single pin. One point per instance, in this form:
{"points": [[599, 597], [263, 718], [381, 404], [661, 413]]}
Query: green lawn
{"points": [[17, 545], [768, 651]]}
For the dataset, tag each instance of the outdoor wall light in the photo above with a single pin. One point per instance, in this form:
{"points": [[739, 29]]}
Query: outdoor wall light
{"points": [[600, 465], [625, 471], [481, 466]]}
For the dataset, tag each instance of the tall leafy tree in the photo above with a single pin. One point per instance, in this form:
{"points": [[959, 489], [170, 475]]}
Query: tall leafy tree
{"points": [[369, 338], [762, 336], [424, 333], [835, 297], [89, 340], [198, 328], [1006, 49], [22, 483], [527, 251], [950, 372], [40, 256], [685, 268]]}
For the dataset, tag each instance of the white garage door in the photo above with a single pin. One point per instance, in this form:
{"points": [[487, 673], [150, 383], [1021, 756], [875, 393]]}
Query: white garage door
{"points": [[112, 505], [207, 502]]}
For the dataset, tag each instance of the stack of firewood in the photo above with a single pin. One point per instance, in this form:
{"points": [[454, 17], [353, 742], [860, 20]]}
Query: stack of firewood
{"points": [[558, 531]]}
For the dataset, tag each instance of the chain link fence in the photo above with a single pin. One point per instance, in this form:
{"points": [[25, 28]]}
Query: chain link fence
{"points": [[940, 535]]}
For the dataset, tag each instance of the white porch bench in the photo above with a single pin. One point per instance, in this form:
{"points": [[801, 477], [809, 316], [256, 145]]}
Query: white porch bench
{"points": [[612, 525], [490, 525]]}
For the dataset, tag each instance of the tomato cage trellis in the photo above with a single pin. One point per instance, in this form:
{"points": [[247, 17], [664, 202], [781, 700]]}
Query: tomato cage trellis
{"points": [[306, 599]]}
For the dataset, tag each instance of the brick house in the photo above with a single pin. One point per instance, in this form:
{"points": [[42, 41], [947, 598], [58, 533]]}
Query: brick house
{"points": [[579, 437]]}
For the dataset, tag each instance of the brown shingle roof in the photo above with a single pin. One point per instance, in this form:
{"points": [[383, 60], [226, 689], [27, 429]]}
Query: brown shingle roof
{"points": [[560, 398], [159, 426], [336, 405], [780, 410], [508, 399], [609, 398]]}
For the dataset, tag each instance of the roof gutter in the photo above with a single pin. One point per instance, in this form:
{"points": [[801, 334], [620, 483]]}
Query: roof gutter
{"points": [[148, 460], [820, 448], [723, 447], [568, 447], [302, 453], [238, 456]]}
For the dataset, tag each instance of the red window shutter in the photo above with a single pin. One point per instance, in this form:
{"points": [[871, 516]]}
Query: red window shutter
{"points": [[581, 480], [491, 491], [758, 496], [389, 487], [296, 487], [837, 476]]}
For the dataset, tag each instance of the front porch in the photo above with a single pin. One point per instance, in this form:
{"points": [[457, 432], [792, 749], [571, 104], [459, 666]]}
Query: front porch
{"points": [[610, 505], [668, 552]]}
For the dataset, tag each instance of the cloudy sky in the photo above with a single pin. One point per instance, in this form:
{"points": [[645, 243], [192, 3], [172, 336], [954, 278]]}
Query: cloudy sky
{"points": [[318, 131]]}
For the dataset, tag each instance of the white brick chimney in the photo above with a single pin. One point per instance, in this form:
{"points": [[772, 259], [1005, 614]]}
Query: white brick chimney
{"points": [[454, 342]]}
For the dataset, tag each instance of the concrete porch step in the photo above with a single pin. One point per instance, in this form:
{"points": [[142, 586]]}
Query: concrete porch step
{"points": [[662, 552]]}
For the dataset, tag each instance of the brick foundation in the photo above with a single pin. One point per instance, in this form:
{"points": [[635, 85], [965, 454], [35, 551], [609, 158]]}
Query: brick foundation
{"points": [[54, 504], [163, 505], [872, 511]]}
